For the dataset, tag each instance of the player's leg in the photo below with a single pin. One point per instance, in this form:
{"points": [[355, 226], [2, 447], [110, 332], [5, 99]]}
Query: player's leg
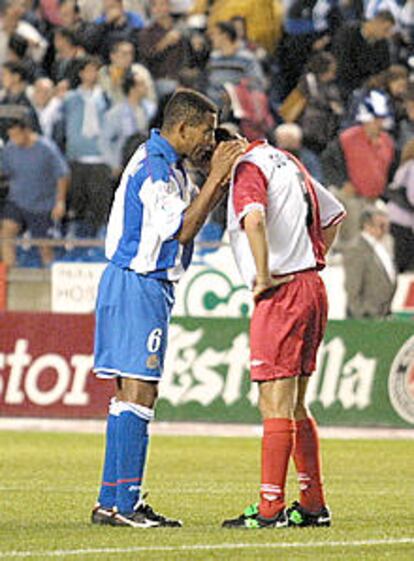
{"points": [[40, 225], [307, 453], [136, 410], [9, 230], [275, 365], [276, 404], [130, 342], [311, 509], [104, 508]]}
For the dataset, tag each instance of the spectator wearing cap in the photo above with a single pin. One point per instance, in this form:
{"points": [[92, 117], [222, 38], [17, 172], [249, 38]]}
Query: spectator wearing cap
{"points": [[16, 21], [229, 62], [14, 80], [393, 84], [357, 163], [18, 52], [362, 50], [38, 181], [370, 277]]}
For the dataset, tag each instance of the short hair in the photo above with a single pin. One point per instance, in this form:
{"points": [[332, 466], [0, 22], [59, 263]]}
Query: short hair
{"points": [[385, 15], [189, 106], [86, 60], [368, 214], [20, 123], [115, 44], [16, 68], [395, 72], [76, 7], [229, 29], [70, 36]]}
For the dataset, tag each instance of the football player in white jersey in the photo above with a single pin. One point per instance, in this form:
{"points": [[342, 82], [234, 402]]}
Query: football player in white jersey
{"points": [[155, 216], [281, 222]]}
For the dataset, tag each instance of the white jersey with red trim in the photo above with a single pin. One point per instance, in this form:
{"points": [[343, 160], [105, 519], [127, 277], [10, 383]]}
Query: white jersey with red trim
{"points": [[269, 180]]}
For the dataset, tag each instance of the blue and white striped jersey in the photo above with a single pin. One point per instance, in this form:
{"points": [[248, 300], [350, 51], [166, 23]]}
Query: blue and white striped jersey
{"points": [[147, 213]]}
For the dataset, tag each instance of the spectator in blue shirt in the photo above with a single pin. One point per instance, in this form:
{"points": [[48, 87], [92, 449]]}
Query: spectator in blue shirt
{"points": [[38, 182]]}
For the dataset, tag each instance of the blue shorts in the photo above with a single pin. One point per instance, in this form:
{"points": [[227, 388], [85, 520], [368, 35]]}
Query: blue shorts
{"points": [[132, 317]]}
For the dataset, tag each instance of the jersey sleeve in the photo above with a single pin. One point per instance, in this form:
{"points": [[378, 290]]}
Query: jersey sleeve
{"points": [[163, 202], [250, 190], [331, 210]]}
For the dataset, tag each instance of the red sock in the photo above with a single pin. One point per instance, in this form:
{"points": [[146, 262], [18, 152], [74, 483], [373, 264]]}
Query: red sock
{"points": [[277, 444], [308, 465]]}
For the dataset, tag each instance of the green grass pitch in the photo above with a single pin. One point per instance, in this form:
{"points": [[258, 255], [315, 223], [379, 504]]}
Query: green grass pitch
{"points": [[48, 485]]}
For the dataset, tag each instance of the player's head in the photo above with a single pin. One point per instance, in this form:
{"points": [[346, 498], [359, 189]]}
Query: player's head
{"points": [[190, 119], [224, 133]]}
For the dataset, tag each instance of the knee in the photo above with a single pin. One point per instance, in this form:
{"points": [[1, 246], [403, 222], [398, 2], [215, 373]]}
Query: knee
{"points": [[272, 409], [138, 392]]}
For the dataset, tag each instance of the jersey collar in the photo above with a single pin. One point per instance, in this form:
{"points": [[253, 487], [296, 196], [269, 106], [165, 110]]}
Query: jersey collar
{"points": [[254, 144], [157, 145]]}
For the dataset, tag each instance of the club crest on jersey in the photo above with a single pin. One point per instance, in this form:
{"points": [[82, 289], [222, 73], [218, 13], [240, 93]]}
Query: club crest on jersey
{"points": [[153, 362], [401, 382]]}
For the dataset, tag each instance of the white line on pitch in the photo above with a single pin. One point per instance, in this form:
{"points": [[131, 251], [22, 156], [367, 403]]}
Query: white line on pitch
{"points": [[203, 547]]}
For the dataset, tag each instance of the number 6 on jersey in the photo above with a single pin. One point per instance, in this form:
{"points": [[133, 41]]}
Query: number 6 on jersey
{"points": [[154, 340]]}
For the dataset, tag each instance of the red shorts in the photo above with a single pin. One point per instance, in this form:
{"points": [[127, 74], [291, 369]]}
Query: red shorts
{"points": [[287, 328]]}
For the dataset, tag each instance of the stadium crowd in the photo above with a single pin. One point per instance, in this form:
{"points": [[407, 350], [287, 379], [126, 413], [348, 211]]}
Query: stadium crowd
{"points": [[83, 82]]}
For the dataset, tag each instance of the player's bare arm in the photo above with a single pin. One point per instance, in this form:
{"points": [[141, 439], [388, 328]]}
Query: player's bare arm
{"points": [[255, 228], [213, 189], [329, 235]]}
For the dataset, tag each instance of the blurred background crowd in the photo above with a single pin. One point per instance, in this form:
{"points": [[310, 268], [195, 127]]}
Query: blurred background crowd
{"points": [[83, 81]]}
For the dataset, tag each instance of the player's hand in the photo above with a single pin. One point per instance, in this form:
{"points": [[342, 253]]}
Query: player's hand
{"points": [[58, 211], [224, 158], [264, 285]]}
